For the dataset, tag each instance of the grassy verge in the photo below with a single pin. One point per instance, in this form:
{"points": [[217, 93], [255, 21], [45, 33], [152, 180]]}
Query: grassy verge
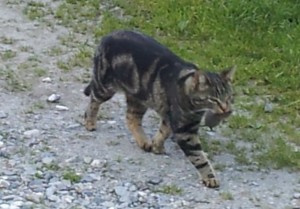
{"points": [[260, 37]]}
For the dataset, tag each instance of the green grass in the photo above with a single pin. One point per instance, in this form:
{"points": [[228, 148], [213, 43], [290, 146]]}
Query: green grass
{"points": [[72, 176], [8, 54], [170, 189], [226, 196], [36, 10], [14, 81]]}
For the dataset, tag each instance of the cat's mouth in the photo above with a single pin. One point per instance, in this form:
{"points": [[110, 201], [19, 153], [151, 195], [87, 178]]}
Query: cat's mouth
{"points": [[219, 115]]}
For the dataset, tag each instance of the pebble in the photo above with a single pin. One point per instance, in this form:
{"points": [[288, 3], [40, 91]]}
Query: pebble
{"points": [[3, 115], [111, 122], [4, 184], [87, 160], [54, 98], [268, 107], [98, 163], [1, 144], [296, 196], [34, 197], [155, 181], [32, 133], [48, 160], [61, 108], [47, 80]]}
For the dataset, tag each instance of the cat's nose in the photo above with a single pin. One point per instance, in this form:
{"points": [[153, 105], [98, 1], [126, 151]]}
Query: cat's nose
{"points": [[224, 109]]}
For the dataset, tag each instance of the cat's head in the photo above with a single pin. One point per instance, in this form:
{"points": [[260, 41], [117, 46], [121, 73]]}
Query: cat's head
{"points": [[209, 90]]}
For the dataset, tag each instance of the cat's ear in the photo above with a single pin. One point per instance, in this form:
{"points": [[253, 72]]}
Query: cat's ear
{"points": [[228, 73], [193, 80]]}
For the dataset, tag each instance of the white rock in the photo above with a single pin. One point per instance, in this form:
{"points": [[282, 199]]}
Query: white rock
{"points": [[32, 133], [87, 160], [4, 183], [1, 144], [47, 160], [3, 115], [54, 98], [4, 206], [95, 163], [111, 122], [61, 107], [34, 197], [296, 196], [47, 80], [268, 107]]}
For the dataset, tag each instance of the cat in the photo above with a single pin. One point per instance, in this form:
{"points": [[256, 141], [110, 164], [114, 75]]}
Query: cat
{"points": [[152, 76]]}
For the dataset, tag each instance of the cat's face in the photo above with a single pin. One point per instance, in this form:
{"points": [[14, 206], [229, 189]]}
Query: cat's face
{"points": [[212, 91]]}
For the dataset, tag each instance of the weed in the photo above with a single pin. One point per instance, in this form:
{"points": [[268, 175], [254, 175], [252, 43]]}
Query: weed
{"points": [[8, 54], [6, 40], [39, 72], [170, 189], [72, 176], [55, 51], [36, 10], [14, 81], [51, 166], [279, 154], [226, 196]]}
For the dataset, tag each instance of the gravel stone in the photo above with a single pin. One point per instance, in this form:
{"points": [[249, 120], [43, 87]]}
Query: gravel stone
{"points": [[268, 107], [4, 184], [3, 115], [34, 197], [54, 98], [32, 133], [61, 108], [296, 195], [48, 160]]}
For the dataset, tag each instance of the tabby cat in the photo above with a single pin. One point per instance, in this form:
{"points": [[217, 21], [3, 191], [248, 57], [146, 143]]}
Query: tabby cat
{"points": [[151, 76]]}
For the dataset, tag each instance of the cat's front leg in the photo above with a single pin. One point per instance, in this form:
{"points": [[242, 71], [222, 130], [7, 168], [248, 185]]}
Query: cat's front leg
{"points": [[191, 146], [160, 137]]}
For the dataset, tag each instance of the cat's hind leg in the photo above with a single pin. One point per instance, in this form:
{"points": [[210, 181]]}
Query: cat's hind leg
{"points": [[160, 137], [134, 117], [97, 97]]}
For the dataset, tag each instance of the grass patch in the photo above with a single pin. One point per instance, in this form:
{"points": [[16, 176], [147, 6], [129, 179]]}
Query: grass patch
{"points": [[14, 82], [226, 196], [82, 58], [39, 72], [36, 10], [72, 176], [8, 54], [7, 40], [239, 152], [55, 51], [51, 167], [279, 155], [80, 15], [170, 189]]}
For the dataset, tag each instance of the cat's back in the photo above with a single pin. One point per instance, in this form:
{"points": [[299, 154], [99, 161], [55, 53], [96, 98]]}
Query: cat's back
{"points": [[135, 43]]}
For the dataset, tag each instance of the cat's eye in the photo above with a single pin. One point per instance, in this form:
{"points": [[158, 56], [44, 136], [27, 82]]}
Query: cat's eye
{"points": [[213, 100], [199, 100]]}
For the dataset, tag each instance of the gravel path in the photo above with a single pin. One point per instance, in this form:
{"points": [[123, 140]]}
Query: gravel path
{"points": [[48, 160]]}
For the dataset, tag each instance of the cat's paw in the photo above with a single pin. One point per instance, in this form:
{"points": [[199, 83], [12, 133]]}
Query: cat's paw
{"points": [[158, 149], [211, 182], [90, 126], [146, 147]]}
